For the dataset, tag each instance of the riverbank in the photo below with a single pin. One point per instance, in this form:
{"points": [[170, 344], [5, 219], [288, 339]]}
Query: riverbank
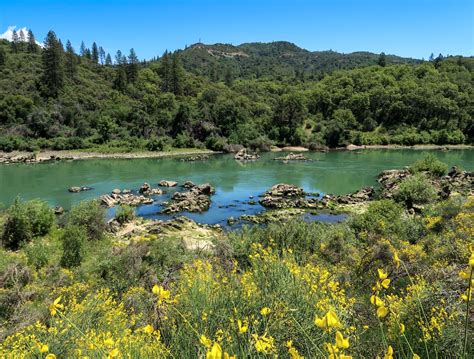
{"points": [[51, 155]]}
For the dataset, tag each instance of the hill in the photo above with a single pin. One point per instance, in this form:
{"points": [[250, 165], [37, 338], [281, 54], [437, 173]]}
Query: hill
{"points": [[275, 59], [257, 95]]}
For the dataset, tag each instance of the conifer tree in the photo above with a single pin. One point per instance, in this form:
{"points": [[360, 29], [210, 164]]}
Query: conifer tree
{"points": [[70, 60], [95, 53], [15, 41], [132, 67], [53, 73], [31, 47], [177, 75], [108, 60], [228, 76], [165, 72], [82, 50], [119, 58], [120, 81], [101, 55]]}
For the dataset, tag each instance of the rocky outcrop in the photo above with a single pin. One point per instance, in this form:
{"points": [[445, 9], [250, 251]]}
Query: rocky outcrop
{"points": [[390, 181], [26, 158], [284, 195], [292, 157], [77, 189], [352, 147], [111, 200], [197, 199], [188, 185], [363, 195], [147, 190], [244, 155], [164, 183]]}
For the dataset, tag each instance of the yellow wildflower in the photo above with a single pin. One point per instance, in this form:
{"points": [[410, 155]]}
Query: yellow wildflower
{"points": [[265, 311], [114, 353], [416, 356], [263, 344], [389, 354], [109, 342], [164, 296], [385, 283], [330, 320], [205, 341], [215, 352], [53, 308], [242, 327], [382, 311], [471, 260], [50, 356], [43, 348], [402, 328], [148, 329], [340, 341], [396, 260], [375, 300], [382, 274]]}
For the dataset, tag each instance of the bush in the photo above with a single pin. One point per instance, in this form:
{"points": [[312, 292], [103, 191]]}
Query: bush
{"points": [[431, 165], [26, 220], [73, 239], [216, 143], [91, 216], [159, 144], [415, 190], [125, 214]]}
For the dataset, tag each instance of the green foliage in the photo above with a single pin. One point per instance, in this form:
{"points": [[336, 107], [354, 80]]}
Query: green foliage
{"points": [[125, 214], [415, 190], [430, 164], [91, 216], [26, 220], [73, 239], [382, 218], [190, 97]]}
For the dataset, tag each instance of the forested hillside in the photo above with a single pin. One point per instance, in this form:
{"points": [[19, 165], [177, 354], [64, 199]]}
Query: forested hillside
{"points": [[260, 95]]}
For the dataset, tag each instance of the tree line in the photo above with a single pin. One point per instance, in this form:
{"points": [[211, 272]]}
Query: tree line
{"points": [[64, 100]]}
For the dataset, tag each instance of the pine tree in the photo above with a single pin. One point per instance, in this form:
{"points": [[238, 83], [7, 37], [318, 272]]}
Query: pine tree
{"points": [[22, 36], [101, 55], [32, 47], [3, 57], [119, 58], [120, 81], [382, 61], [82, 50], [431, 58], [108, 60], [53, 75], [177, 75], [15, 42], [165, 72], [132, 67], [70, 60], [95, 53]]}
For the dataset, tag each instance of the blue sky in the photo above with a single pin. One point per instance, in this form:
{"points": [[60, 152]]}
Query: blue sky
{"points": [[412, 28]]}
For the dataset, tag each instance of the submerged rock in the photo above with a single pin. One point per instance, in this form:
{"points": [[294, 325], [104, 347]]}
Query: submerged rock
{"points": [[188, 184], [195, 158], [244, 155], [197, 199], [147, 190], [292, 157], [76, 189], [284, 195], [111, 200]]}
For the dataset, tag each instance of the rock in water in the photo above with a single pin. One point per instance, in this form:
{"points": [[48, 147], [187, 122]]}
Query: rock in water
{"points": [[164, 183], [197, 199], [244, 155]]}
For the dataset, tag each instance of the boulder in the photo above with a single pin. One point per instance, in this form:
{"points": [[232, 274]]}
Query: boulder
{"points": [[197, 199], [292, 157], [164, 183], [285, 190], [146, 190], [58, 210], [124, 199], [244, 155], [188, 184], [116, 191], [352, 147], [76, 189]]}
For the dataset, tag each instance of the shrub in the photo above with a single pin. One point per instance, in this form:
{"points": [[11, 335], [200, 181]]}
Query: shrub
{"points": [[415, 190], [90, 215], [125, 214], [159, 144], [26, 220], [73, 239], [431, 165], [216, 143]]}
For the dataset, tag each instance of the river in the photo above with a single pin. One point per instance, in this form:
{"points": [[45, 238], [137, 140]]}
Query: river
{"points": [[335, 172]]}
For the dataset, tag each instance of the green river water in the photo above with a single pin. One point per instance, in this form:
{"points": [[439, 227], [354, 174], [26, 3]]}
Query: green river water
{"points": [[335, 172]]}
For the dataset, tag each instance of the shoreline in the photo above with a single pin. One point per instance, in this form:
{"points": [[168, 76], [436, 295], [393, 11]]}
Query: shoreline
{"points": [[53, 155]]}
